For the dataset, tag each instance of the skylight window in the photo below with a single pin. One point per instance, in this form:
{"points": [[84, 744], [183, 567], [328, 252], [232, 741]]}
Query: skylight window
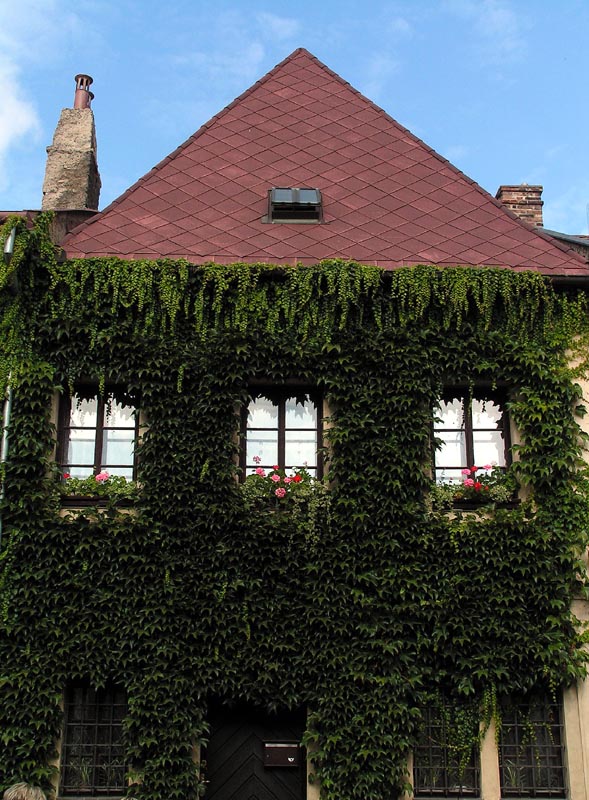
{"points": [[288, 204]]}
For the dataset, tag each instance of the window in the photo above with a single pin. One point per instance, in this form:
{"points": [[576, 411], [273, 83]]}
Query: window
{"points": [[97, 433], [294, 205], [531, 756], [92, 755], [471, 432], [284, 428], [439, 769]]}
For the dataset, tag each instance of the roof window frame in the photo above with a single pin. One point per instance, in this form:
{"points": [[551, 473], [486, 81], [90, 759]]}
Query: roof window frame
{"points": [[294, 210]]}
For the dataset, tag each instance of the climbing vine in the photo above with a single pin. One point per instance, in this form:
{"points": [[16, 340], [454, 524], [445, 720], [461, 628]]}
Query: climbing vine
{"points": [[197, 594]]}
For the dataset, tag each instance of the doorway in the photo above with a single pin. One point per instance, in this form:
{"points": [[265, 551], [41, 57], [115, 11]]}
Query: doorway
{"points": [[240, 765]]}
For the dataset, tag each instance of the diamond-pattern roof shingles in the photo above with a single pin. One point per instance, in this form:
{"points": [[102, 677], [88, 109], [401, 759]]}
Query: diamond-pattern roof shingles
{"points": [[388, 198]]}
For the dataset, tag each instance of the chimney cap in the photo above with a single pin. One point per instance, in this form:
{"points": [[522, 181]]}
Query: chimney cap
{"points": [[83, 96]]}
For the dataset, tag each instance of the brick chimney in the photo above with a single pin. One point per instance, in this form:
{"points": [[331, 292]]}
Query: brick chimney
{"points": [[525, 201], [72, 180]]}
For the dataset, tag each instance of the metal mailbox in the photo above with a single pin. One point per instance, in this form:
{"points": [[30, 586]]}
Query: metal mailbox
{"points": [[282, 754]]}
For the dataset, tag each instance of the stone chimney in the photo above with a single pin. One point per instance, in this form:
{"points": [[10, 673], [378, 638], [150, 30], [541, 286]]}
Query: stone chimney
{"points": [[72, 180], [525, 201]]}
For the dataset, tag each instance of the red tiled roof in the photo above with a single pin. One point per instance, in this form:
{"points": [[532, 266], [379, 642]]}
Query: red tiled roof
{"points": [[388, 198]]}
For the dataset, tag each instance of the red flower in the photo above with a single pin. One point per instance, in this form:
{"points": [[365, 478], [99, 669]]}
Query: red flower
{"points": [[66, 475], [275, 466], [473, 469], [297, 478], [478, 486], [486, 488]]}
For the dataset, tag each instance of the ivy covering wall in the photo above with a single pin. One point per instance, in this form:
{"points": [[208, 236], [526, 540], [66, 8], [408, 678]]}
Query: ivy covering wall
{"points": [[194, 596]]}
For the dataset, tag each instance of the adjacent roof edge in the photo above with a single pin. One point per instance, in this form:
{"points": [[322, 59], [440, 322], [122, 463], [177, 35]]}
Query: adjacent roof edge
{"points": [[567, 237]]}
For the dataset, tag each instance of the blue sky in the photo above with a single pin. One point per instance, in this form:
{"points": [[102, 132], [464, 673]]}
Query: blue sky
{"points": [[499, 87]]}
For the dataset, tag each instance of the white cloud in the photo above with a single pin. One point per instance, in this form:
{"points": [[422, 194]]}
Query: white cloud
{"points": [[498, 31], [456, 152], [278, 27], [27, 35], [32, 31], [377, 74], [18, 117], [240, 61], [568, 211], [399, 26]]}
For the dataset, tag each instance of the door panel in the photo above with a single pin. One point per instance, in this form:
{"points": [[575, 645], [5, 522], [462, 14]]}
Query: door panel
{"points": [[235, 755]]}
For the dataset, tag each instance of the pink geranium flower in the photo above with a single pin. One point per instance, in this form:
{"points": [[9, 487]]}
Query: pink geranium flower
{"points": [[102, 476], [287, 480], [465, 471], [488, 466], [261, 472], [469, 482], [280, 492], [275, 478]]}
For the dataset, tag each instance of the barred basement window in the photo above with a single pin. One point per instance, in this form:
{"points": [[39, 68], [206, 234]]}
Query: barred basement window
{"points": [[97, 433], [471, 432], [282, 427], [92, 755], [531, 752], [440, 769]]}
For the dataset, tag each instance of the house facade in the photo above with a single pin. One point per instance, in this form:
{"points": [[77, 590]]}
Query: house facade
{"points": [[294, 500]]}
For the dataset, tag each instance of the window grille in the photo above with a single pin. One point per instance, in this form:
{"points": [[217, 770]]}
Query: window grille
{"points": [[92, 754], [441, 769], [531, 752]]}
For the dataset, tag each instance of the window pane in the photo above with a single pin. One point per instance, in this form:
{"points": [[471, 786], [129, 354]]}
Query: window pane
{"points": [[263, 444], [451, 415], [118, 416], [308, 196], [83, 413], [262, 413], [117, 447], [488, 448], [300, 447], [299, 415], [485, 414], [282, 195], [125, 472], [445, 475], [81, 448], [453, 450]]}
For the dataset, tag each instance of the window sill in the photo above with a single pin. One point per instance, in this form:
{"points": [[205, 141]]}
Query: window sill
{"points": [[90, 796], [88, 501], [473, 505]]}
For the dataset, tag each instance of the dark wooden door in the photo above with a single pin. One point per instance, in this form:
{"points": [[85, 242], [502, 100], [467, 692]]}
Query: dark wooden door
{"points": [[234, 757]]}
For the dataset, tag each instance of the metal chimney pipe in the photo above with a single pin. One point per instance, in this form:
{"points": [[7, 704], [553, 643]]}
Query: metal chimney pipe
{"points": [[83, 96]]}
